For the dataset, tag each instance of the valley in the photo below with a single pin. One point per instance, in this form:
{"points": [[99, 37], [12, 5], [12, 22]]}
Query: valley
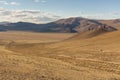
{"points": [[95, 57], [59, 40]]}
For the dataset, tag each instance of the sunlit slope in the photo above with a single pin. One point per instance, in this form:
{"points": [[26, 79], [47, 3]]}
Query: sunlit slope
{"points": [[14, 66], [97, 41], [17, 66], [104, 43], [88, 34], [100, 53]]}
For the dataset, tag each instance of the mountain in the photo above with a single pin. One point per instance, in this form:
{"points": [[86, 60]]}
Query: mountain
{"points": [[82, 24], [21, 26], [115, 23], [70, 25], [88, 34]]}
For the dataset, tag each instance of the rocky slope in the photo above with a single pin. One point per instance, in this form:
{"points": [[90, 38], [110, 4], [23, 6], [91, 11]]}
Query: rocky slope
{"points": [[70, 25]]}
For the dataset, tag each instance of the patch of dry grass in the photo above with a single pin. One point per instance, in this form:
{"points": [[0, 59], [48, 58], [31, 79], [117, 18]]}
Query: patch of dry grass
{"points": [[89, 59], [33, 37]]}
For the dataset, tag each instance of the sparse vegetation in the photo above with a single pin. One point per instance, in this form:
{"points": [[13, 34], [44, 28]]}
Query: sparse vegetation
{"points": [[94, 58]]}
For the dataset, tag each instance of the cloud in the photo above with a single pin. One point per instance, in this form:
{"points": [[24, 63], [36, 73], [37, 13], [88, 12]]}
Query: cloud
{"points": [[41, 1], [8, 3], [33, 16], [4, 2], [109, 15], [36, 0], [14, 3]]}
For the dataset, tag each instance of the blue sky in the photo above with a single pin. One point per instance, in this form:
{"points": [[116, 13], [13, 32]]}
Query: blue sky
{"points": [[56, 9]]}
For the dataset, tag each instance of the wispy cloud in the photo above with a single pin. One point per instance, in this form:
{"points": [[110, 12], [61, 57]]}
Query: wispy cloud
{"points": [[8, 3], [113, 15], [102, 15], [4, 2], [14, 3], [41, 1], [36, 0], [27, 16]]}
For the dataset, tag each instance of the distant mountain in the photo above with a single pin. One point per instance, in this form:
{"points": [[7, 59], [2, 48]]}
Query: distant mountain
{"points": [[82, 24], [115, 23], [88, 34], [20, 26], [70, 25]]}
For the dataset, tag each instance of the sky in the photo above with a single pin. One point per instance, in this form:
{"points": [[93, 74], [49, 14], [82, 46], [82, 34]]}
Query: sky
{"points": [[44, 11]]}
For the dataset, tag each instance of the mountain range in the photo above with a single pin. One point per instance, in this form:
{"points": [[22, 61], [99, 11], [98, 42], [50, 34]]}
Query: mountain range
{"points": [[69, 25]]}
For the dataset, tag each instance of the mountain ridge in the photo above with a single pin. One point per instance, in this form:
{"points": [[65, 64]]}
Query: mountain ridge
{"points": [[68, 25]]}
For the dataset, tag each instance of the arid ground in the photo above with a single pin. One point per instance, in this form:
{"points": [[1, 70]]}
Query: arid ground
{"points": [[59, 56]]}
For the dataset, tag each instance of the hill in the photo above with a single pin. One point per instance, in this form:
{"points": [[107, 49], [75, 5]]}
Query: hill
{"points": [[88, 34], [69, 25], [92, 33], [115, 23], [93, 58]]}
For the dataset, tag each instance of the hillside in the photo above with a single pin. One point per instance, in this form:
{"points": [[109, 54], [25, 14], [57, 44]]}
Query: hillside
{"points": [[115, 23], [87, 34], [92, 54], [69, 25], [93, 58]]}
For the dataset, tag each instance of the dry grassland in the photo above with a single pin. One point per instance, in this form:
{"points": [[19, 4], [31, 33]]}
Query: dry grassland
{"points": [[96, 58]]}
